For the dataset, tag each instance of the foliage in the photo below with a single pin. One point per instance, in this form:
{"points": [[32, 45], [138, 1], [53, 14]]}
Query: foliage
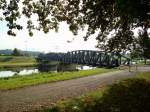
{"points": [[131, 95], [7, 52], [102, 16], [11, 13], [16, 52], [39, 78], [84, 103], [142, 46], [144, 41], [135, 54]]}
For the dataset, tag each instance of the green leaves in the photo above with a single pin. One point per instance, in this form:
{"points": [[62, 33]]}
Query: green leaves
{"points": [[131, 95], [144, 43], [98, 16], [3, 4], [11, 14], [45, 11]]}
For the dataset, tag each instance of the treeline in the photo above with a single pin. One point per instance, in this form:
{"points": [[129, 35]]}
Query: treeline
{"points": [[17, 52]]}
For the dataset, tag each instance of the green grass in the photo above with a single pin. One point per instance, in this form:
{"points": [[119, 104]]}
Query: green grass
{"points": [[34, 79], [16, 61], [144, 75], [79, 104]]}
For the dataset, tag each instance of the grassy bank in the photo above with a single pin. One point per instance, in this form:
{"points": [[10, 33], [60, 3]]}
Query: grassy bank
{"points": [[16, 61], [34, 79], [143, 75]]}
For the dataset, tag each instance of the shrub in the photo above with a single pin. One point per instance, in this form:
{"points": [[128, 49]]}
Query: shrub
{"points": [[132, 95]]}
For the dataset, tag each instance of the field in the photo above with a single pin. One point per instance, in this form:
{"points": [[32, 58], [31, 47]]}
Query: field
{"points": [[39, 78], [16, 61]]}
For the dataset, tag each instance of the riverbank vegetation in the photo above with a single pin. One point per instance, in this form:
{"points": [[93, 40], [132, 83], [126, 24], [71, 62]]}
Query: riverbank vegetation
{"points": [[143, 75], [16, 61], [39, 78], [124, 96]]}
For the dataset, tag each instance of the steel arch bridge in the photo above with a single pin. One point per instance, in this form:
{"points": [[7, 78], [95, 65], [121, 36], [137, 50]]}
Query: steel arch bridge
{"points": [[85, 57]]}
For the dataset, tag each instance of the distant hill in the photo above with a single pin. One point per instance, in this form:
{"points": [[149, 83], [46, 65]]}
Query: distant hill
{"points": [[27, 53]]}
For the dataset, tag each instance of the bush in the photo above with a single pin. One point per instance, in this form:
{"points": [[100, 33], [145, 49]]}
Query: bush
{"points": [[132, 95]]}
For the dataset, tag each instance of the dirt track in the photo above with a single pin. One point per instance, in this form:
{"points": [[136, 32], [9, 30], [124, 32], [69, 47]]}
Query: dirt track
{"points": [[37, 97]]}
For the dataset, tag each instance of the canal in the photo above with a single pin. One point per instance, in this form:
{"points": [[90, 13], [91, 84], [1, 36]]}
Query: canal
{"points": [[31, 70]]}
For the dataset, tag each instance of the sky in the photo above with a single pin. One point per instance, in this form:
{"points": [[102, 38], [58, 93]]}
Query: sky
{"points": [[50, 42]]}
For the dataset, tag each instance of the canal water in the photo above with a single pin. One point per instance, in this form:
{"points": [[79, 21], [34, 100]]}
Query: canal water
{"points": [[29, 71], [23, 71]]}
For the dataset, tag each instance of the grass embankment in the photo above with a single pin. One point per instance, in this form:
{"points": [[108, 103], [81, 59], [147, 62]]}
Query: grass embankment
{"points": [[129, 94], [16, 61], [34, 79], [143, 75]]}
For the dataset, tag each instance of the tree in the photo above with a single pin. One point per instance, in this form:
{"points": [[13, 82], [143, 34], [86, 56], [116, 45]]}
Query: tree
{"points": [[135, 54], [102, 16], [144, 41], [16, 52]]}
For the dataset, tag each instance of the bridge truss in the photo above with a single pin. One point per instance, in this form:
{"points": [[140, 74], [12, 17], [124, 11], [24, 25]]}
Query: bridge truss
{"points": [[86, 57]]}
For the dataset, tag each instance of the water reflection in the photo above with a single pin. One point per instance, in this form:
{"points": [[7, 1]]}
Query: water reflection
{"points": [[6, 73], [28, 71], [10, 73], [85, 68]]}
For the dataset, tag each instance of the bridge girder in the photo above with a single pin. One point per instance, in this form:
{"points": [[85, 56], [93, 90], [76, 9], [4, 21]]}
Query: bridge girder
{"points": [[84, 57]]}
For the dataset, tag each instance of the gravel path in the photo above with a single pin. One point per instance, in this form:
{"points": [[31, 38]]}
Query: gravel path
{"points": [[37, 97]]}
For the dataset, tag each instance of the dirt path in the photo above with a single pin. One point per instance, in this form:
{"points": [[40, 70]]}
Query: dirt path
{"points": [[37, 97]]}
